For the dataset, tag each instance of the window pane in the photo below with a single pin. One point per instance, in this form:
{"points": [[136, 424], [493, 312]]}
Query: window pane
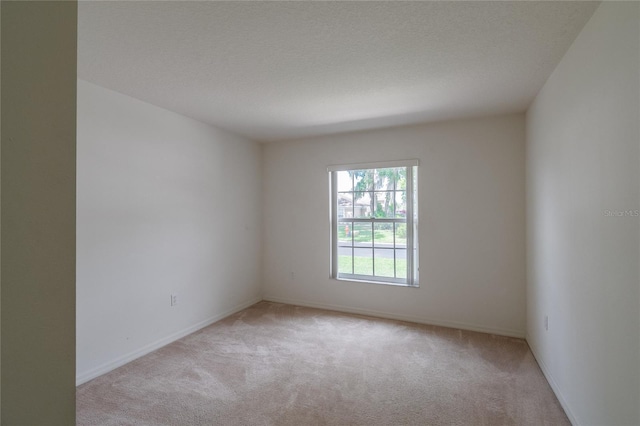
{"points": [[345, 204], [345, 182], [363, 261], [362, 234], [384, 204], [383, 234], [345, 262], [363, 179], [345, 232], [401, 203], [401, 235], [401, 179], [385, 178], [362, 208], [384, 262], [401, 263]]}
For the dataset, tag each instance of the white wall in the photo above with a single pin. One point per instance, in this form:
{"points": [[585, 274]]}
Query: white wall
{"points": [[472, 221], [38, 212], [165, 205], [582, 159]]}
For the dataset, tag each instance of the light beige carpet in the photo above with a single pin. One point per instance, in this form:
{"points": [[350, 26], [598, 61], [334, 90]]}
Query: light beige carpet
{"points": [[275, 364]]}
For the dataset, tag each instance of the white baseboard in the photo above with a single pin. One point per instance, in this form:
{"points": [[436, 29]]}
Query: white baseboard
{"points": [[120, 361], [380, 314], [553, 384]]}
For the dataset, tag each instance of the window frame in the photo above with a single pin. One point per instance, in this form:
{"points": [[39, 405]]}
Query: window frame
{"points": [[410, 219]]}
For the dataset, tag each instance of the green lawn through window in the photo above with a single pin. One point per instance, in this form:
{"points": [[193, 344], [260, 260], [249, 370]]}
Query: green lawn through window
{"points": [[364, 266]]}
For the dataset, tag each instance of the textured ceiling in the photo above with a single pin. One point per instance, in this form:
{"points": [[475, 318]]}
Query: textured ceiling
{"points": [[282, 70]]}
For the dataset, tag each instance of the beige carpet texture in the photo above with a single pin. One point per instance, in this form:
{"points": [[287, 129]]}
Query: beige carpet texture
{"points": [[276, 364]]}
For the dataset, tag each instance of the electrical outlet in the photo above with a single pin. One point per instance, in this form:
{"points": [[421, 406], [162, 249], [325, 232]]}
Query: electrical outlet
{"points": [[546, 322], [174, 299]]}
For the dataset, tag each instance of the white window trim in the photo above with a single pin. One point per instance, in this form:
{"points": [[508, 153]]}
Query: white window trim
{"points": [[411, 221], [375, 165]]}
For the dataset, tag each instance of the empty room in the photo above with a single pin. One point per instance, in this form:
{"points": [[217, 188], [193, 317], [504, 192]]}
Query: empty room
{"points": [[320, 213]]}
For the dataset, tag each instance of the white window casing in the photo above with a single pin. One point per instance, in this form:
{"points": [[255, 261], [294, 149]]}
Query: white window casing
{"points": [[401, 276]]}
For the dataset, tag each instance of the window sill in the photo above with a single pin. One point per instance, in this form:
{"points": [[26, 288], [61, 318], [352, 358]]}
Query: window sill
{"points": [[352, 280]]}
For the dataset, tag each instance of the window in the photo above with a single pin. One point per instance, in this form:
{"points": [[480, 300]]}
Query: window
{"points": [[374, 219]]}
